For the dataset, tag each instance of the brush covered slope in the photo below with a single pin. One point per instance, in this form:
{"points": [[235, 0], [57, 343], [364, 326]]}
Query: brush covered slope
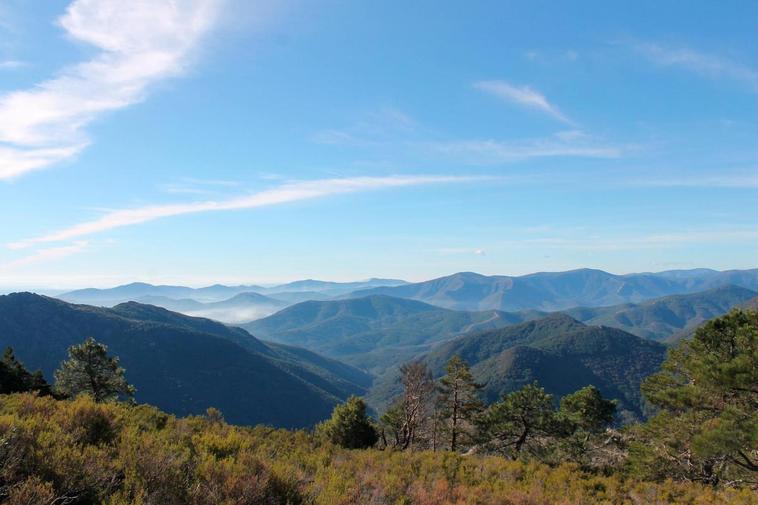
{"points": [[661, 318], [183, 364], [78, 451], [374, 332], [559, 352]]}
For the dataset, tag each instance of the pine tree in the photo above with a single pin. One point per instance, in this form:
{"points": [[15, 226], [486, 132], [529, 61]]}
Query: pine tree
{"points": [[458, 401], [707, 393], [518, 418], [587, 410], [349, 426], [91, 371]]}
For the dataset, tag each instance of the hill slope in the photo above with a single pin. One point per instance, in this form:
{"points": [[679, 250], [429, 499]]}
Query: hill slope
{"points": [[181, 364], [558, 351], [663, 317], [551, 291], [373, 332]]}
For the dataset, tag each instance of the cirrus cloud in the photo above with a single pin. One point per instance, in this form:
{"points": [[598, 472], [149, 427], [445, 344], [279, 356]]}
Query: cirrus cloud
{"points": [[523, 96], [285, 193], [140, 42]]}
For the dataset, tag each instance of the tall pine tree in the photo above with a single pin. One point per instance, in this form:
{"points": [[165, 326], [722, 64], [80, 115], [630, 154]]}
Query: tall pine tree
{"points": [[458, 402]]}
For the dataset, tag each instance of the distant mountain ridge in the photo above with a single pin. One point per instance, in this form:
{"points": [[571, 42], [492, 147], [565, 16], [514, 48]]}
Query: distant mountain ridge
{"points": [[136, 290], [229, 304], [661, 318], [184, 364], [332, 288], [552, 291], [214, 293]]}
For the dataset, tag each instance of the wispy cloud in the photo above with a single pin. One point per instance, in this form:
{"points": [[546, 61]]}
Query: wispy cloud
{"points": [[523, 96], [709, 65], [45, 255], [564, 144], [735, 181], [375, 128], [289, 192], [140, 43], [15, 161], [12, 64]]}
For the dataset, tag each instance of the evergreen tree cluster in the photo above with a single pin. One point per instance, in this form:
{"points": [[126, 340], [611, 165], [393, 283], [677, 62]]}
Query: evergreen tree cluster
{"points": [[704, 428], [449, 415]]}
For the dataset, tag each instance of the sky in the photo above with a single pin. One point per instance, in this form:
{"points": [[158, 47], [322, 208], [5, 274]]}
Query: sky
{"points": [[259, 141]]}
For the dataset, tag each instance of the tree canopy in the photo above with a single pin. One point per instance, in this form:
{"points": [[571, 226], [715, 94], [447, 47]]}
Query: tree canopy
{"points": [[91, 371], [707, 394], [519, 418], [349, 426], [458, 401], [587, 410]]}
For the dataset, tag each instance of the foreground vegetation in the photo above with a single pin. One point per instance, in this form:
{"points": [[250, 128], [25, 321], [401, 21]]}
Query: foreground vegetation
{"points": [[75, 442], [83, 452]]}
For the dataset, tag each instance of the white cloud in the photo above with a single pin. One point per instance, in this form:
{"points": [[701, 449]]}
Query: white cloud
{"points": [[705, 64], [564, 144], [16, 161], [289, 192], [45, 255], [140, 42], [12, 64], [523, 96]]}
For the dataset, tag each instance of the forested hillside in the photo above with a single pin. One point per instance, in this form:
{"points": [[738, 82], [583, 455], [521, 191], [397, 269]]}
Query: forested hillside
{"points": [[183, 364], [661, 318], [374, 332], [559, 352]]}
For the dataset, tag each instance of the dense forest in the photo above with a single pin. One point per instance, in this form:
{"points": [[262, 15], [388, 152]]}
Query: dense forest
{"points": [[83, 440]]}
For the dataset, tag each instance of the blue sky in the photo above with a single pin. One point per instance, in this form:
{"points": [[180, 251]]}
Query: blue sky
{"points": [[201, 141]]}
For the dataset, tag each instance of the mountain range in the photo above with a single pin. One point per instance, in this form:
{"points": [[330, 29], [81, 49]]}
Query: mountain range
{"points": [[228, 304], [318, 342], [215, 293], [662, 318], [377, 332], [552, 291], [466, 291], [184, 364]]}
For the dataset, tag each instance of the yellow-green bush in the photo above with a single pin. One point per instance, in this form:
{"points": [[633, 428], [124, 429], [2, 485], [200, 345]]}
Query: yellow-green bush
{"points": [[118, 454]]}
